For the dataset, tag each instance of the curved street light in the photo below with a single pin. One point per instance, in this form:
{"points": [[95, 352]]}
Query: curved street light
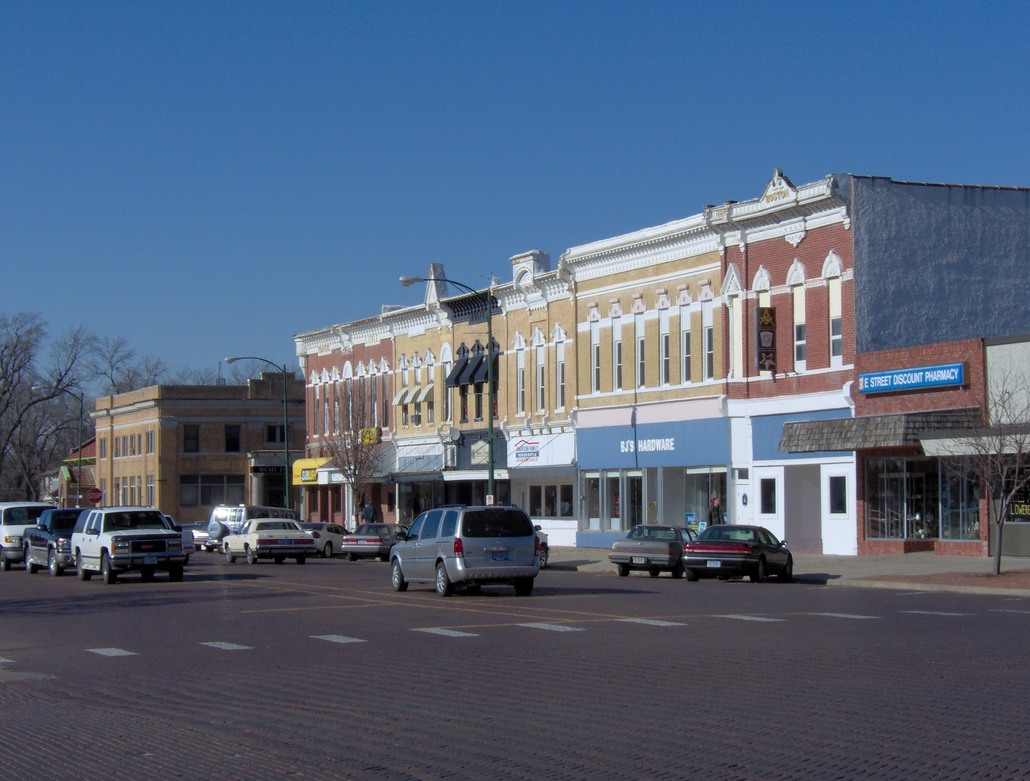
{"points": [[287, 494], [79, 396], [490, 397]]}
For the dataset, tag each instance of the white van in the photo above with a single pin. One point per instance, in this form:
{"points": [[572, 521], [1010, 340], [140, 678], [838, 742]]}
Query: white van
{"points": [[15, 518]]}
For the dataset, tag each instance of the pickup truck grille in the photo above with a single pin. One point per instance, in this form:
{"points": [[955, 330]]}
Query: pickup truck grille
{"points": [[149, 546]]}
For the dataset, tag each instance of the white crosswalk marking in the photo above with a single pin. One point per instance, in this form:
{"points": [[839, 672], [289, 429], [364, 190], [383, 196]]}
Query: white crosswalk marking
{"points": [[6, 661], [843, 615], [650, 622], [554, 627], [228, 646], [337, 638], [752, 618], [934, 613], [111, 652], [447, 632]]}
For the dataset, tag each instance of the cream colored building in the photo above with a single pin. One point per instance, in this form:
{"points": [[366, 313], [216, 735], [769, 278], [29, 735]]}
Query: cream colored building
{"points": [[186, 448]]}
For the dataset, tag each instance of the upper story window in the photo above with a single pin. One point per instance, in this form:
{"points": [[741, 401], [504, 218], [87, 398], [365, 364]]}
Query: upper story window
{"points": [[685, 366], [708, 335], [191, 438], [520, 381], [800, 336], [541, 374], [664, 357], [616, 353], [836, 324], [232, 438], [638, 329], [595, 358], [559, 366]]}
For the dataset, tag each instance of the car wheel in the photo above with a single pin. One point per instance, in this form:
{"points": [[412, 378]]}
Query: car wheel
{"points": [[654, 572], [146, 574], [623, 570], [787, 575], [677, 571], [228, 555], [51, 562], [107, 573], [692, 576], [523, 586], [444, 587], [327, 551], [397, 577], [29, 566], [545, 554], [301, 559], [175, 572], [5, 563], [186, 561], [351, 557], [251, 556], [759, 574], [84, 574]]}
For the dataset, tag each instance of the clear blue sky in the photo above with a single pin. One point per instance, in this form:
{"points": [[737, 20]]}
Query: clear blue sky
{"points": [[211, 178]]}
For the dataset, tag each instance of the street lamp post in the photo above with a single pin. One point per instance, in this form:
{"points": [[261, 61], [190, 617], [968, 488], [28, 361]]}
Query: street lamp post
{"points": [[78, 476], [490, 399], [287, 498]]}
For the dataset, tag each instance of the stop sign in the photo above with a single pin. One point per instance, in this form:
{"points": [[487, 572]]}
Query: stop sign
{"points": [[94, 495]]}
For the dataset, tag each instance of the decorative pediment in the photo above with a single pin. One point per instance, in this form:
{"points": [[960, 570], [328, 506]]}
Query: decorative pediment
{"points": [[638, 307], [518, 342], [832, 266], [683, 297], [731, 282], [558, 334], [593, 313], [538, 339], [615, 310], [779, 190], [762, 280], [796, 273], [662, 299]]}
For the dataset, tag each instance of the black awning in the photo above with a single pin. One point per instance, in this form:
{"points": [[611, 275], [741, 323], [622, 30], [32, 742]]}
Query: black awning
{"points": [[459, 367], [480, 373], [470, 370]]}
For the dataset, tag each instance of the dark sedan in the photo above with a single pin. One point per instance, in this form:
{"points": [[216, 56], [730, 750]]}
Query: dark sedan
{"points": [[651, 548], [727, 550], [371, 540]]}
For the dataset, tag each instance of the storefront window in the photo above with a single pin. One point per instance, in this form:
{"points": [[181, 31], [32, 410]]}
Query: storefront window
{"points": [[960, 505], [700, 488], [903, 498], [592, 492], [614, 502], [634, 511]]}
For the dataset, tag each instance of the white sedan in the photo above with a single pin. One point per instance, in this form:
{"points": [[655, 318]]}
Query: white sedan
{"points": [[269, 538]]}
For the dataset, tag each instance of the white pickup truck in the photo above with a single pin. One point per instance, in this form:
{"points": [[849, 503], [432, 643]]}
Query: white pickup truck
{"points": [[112, 540]]}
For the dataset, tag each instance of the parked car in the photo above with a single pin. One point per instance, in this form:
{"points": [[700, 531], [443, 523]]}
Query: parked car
{"points": [[189, 544], [734, 550], [15, 518], [545, 549], [269, 538], [468, 546], [230, 518], [371, 540], [49, 543], [112, 540], [328, 537], [651, 548], [201, 539]]}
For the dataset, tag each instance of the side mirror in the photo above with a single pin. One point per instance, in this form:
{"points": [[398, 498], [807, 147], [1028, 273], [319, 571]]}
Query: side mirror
{"points": [[537, 527], [783, 543]]}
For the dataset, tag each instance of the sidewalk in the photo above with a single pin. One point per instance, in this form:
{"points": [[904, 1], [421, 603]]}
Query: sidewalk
{"points": [[919, 571]]}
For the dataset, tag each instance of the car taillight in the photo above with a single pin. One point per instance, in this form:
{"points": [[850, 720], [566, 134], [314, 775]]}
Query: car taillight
{"points": [[316, 535], [459, 548], [267, 542], [536, 550], [696, 547]]}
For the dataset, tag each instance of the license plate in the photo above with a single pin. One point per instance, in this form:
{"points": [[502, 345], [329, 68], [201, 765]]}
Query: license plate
{"points": [[500, 555], [150, 559], [639, 560], [714, 564], [286, 542]]}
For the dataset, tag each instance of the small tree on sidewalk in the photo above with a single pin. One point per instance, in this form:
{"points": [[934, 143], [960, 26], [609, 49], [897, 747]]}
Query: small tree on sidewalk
{"points": [[352, 441], [993, 450]]}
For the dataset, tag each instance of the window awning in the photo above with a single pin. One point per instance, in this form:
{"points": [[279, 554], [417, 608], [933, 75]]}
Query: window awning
{"points": [[867, 431], [470, 369], [399, 398], [459, 367], [479, 375], [424, 394], [412, 394]]}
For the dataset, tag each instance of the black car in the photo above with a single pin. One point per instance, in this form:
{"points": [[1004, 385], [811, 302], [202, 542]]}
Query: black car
{"points": [[728, 550], [48, 543]]}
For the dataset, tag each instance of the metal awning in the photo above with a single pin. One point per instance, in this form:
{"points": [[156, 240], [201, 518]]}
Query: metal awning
{"points": [[399, 398], [867, 431], [479, 375], [470, 369], [459, 367], [424, 394]]}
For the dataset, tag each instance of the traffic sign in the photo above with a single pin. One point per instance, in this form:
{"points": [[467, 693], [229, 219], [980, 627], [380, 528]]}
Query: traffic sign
{"points": [[94, 495]]}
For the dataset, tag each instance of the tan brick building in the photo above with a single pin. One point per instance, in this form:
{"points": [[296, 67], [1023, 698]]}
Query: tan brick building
{"points": [[186, 448]]}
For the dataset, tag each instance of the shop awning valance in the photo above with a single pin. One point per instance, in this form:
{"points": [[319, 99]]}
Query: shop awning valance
{"points": [[867, 431]]}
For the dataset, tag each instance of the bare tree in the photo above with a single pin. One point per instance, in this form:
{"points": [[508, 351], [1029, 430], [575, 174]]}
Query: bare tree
{"points": [[993, 450], [25, 385], [118, 366], [353, 442]]}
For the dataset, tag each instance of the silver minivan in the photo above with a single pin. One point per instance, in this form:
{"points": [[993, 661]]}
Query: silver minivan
{"points": [[468, 546]]}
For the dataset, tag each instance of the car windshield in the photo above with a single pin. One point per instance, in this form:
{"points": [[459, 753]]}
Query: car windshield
{"points": [[653, 533], [266, 526], [374, 529], [141, 519], [22, 515], [64, 520]]}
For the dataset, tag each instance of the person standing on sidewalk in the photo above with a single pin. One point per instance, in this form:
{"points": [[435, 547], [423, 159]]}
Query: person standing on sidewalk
{"points": [[714, 511]]}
